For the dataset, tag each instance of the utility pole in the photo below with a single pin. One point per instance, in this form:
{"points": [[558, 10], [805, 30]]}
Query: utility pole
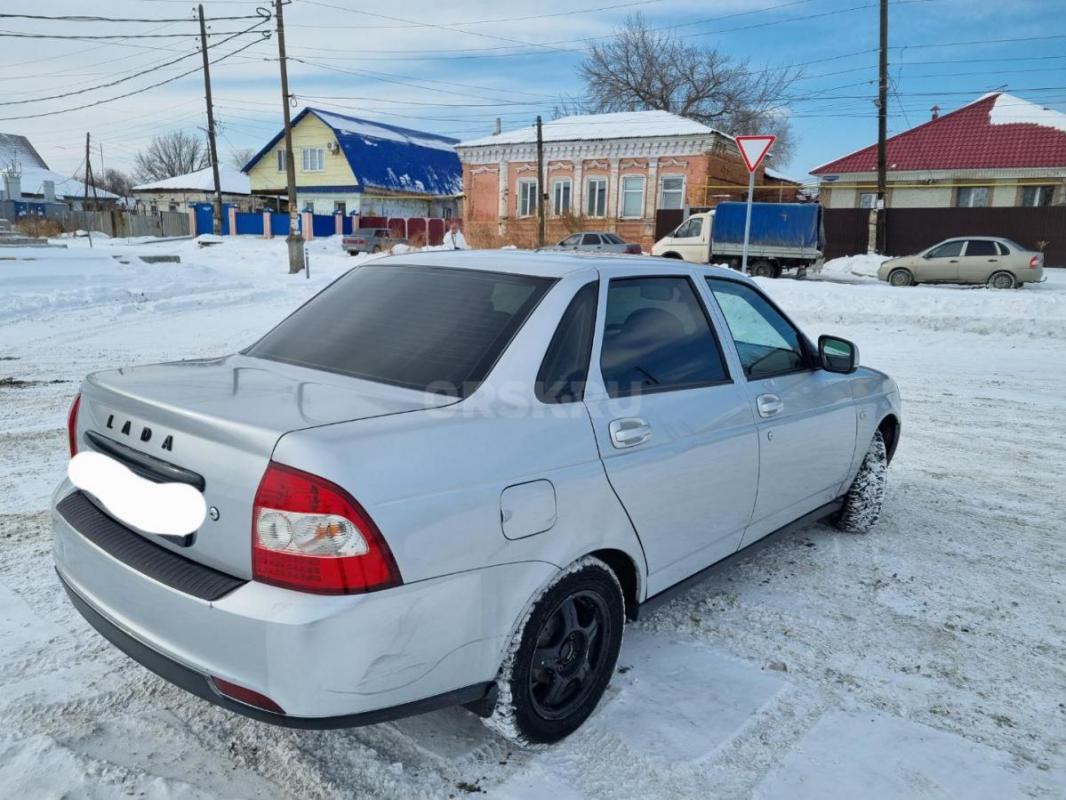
{"points": [[882, 131], [541, 194], [296, 250], [85, 200], [217, 216]]}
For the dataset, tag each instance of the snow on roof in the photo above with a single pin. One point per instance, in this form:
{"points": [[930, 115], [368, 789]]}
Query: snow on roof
{"points": [[995, 131], [773, 174], [619, 125], [232, 181], [17, 149], [389, 157]]}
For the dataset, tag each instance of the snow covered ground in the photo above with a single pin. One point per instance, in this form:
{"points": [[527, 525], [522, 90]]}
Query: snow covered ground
{"points": [[927, 659]]}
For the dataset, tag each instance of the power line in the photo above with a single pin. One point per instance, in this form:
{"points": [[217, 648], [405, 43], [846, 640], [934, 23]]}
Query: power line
{"points": [[127, 77], [136, 91], [77, 18], [13, 35]]}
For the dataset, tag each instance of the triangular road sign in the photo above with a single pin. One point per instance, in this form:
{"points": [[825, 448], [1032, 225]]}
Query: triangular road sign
{"points": [[753, 149]]}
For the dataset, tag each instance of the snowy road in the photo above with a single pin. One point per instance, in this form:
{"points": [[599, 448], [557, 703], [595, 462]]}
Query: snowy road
{"points": [[927, 659]]}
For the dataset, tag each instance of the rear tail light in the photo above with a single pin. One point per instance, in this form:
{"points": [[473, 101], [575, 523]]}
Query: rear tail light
{"points": [[1034, 262], [72, 425], [310, 535], [633, 249], [246, 696]]}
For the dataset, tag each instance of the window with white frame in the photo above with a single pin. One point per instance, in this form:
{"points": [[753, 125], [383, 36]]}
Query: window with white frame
{"points": [[281, 160], [972, 196], [561, 195], [632, 196], [868, 200], [596, 197], [1037, 195], [314, 159], [527, 198], [672, 193]]}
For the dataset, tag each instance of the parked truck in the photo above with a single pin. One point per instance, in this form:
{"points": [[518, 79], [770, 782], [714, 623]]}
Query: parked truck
{"points": [[784, 237]]}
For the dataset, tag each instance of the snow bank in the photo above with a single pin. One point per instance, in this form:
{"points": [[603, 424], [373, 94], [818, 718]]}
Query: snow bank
{"points": [[864, 266]]}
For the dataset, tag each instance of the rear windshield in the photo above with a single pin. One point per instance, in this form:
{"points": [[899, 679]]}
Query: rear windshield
{"points": [[426, 328], [612, 238]]}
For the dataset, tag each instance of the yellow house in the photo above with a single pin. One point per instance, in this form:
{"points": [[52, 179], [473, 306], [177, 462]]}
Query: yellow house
{"points": [[357, 166]]}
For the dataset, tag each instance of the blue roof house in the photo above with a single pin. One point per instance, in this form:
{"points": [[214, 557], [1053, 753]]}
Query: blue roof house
{"points": [[357, 166]]}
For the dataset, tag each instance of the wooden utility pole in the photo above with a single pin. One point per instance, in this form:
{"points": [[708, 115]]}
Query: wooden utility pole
{"points": [[882, 130], [541, 193], [85, 200], [216, 218], [296, 250]]}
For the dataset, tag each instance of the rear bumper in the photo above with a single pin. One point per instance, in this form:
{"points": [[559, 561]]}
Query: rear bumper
{"points": [[326, 660], [198, 684]]}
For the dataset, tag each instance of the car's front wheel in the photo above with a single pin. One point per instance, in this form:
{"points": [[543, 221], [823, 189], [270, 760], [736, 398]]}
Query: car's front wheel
{"points": [[901, 277], [863, 502], [561, 657]]}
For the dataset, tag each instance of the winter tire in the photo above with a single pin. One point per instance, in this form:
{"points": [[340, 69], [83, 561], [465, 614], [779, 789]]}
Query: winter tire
{"points": [[862, 503], [561, 657], [900, 277], [1002, 280]]}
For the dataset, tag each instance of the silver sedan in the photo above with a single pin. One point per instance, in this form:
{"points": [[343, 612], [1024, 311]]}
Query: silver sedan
{"points": [[995, 262], [597, 242], [451, 478]]}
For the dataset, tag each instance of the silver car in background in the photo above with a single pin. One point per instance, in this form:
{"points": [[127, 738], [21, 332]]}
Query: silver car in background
{"points": [[369, 240], [995, 262], [451, 477], [597, 242]]}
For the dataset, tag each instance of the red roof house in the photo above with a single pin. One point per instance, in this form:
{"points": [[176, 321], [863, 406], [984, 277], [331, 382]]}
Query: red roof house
{"points": [[999, 150]]}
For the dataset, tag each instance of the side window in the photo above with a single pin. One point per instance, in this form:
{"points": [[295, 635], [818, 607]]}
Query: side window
{"points": [[1003, 249], [565, 367], [767, 343], [657, 337], [981, 247], [690, 228], [571, 241], [591, 238], [947, 250]]}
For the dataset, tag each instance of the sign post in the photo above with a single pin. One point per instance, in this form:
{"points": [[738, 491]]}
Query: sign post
{"points": [[753, 150]]}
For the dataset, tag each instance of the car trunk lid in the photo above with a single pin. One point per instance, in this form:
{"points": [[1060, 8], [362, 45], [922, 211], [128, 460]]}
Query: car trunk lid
{"points": [[219, 420]]}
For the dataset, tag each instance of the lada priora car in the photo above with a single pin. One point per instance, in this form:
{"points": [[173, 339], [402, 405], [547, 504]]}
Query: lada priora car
{"points": [[451, 477]]}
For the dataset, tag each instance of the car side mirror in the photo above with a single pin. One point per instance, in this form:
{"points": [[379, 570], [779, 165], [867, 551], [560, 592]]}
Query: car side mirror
{"points": [[837, 355]]}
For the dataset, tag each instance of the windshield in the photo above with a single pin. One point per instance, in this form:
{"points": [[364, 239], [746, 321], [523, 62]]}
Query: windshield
{"points": [[426, 328]]}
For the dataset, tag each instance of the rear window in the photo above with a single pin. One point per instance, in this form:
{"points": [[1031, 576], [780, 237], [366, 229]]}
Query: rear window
{"points": [[612, 238], [426, 328]]}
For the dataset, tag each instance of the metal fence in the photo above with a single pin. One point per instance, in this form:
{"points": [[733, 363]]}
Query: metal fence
{"points": [[910, 230], [114, 222]]}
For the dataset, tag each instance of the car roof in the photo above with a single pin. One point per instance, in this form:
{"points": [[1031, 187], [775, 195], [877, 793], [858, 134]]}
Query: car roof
{"points": [[548, 264]]}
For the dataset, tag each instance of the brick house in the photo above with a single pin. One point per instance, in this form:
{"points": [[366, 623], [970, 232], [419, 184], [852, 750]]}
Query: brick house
{"points": [[605, 172], [998, 151]]}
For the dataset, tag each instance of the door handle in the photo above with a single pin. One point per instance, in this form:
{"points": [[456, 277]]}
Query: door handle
{"points": [[954, 261], [993, 260], [769, 405], [629, 432]]}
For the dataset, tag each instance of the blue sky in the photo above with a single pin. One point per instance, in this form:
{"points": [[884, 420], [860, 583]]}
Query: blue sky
{"points": [[452, 68]]}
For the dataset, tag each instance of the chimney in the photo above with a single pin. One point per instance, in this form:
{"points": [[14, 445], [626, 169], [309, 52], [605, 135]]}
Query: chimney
{"points": [[936, 112], [48, 189], [496, 127], [13, 187]]}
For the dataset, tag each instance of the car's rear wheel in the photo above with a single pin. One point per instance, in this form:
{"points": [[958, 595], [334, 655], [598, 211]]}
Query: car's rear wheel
{"points": [[763, 269], [1002, 280], [901, 277], [865, 498], [561, 657]]}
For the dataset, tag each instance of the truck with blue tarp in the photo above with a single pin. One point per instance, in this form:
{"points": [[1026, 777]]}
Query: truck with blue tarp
{"points": [[783, 237]]}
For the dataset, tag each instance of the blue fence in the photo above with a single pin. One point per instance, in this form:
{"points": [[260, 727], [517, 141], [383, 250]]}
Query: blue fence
{"points": [[323, 225], [205, 221], [250, 223], [279, 224]]}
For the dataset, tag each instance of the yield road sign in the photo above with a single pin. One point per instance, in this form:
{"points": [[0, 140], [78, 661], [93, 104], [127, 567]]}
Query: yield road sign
{"points": [[753, 149]]}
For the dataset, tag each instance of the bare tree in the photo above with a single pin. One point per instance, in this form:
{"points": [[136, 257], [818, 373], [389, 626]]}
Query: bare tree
{"points": [[174, 153], [239, 156], [115, 181], [641, 69]]}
